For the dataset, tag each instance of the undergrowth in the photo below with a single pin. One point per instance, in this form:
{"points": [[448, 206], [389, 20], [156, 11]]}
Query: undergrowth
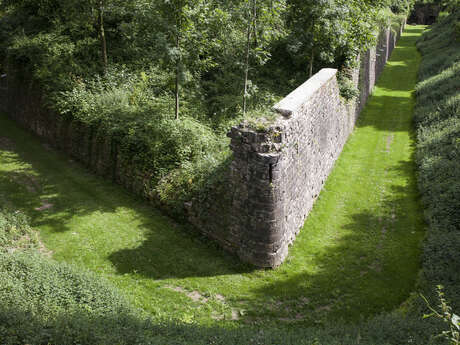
{"points": [[15, 232]]}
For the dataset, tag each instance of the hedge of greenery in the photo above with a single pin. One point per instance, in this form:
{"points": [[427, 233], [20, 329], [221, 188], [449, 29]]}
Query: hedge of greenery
{"points": [[437, 119]]}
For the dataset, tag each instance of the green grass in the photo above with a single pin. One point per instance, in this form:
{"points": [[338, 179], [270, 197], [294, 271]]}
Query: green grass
{"points": [[358, 254], [437, 119]]}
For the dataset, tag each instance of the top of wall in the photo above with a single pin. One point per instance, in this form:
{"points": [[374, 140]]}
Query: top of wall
{"points": [[297, 98]]}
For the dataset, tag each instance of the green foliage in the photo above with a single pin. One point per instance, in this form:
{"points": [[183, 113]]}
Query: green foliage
{"points": [[200, 44], [457, 30], [401, 6], [438, 153], [452, 335], [39, 286], [15, 232], [49, 57], [136, 113], [118, 96], [443, 5], [427, 11], [347, 88]]}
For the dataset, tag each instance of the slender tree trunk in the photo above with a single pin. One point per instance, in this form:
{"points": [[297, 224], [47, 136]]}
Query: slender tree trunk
{"points": [[254, 21], [246, 68], [177, 95], [311, 61], [178, 64], [177, 111], [102, 36]]}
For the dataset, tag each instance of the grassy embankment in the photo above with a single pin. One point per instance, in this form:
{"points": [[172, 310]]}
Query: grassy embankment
{"points": [[437, 117], [358, 254]]}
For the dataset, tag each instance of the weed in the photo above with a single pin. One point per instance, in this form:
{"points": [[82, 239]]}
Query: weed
{"points": [[445, 314]]}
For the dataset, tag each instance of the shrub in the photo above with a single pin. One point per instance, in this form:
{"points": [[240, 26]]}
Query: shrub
{"points": [[45, 302], [133, 110], [347, 88], [15, 232]]}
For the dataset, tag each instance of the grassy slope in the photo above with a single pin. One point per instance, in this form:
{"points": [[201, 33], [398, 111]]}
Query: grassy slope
{"points": [[357, 255], [437, 117]]}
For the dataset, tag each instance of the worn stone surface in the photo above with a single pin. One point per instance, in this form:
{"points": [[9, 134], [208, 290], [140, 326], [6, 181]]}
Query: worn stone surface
{"points": [[268, 187]]}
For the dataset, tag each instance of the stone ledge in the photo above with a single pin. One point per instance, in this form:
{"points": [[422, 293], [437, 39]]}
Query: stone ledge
{"points": [[294, 101]]}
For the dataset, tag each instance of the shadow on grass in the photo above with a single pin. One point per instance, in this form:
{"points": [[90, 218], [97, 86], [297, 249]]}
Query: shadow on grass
{"points": [[372, 265], [23, 327], [393, 119], [56, 193], [399, 76]]}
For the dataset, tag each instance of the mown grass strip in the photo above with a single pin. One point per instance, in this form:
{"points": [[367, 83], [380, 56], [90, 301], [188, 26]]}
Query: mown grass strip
{"points": [[357, 255]]}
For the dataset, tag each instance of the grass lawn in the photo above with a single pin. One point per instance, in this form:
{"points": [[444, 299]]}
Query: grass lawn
{"points": [[357, 255]]}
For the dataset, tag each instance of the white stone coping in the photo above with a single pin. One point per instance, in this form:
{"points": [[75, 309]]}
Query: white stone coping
{"points": [[292, 102]]}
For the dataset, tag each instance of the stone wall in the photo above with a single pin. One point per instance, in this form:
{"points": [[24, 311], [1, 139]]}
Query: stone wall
{"points": [[89, 145], [268, 188], [277, 174]]}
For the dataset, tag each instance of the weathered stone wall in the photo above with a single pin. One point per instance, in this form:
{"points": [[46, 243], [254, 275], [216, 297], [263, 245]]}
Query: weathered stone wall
{"points": [[277, 174], [92, 146], [269, 187]]}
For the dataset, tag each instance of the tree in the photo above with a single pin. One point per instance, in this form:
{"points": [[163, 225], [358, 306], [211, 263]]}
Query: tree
{"points": [[176, 37], [333, 32], [314, 30], [102, 35], [264, 24]]}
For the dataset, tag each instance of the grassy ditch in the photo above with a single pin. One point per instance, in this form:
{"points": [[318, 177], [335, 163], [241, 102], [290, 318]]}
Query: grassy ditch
{"points": [[357, 256], [46, 302]]}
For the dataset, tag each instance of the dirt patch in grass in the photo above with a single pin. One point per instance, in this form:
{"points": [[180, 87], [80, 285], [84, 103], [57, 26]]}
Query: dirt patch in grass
{"points": [[30, 241], [390, 140], [43, 250], [235, 315], [195, 296], [45, 206], [220, 298]]}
